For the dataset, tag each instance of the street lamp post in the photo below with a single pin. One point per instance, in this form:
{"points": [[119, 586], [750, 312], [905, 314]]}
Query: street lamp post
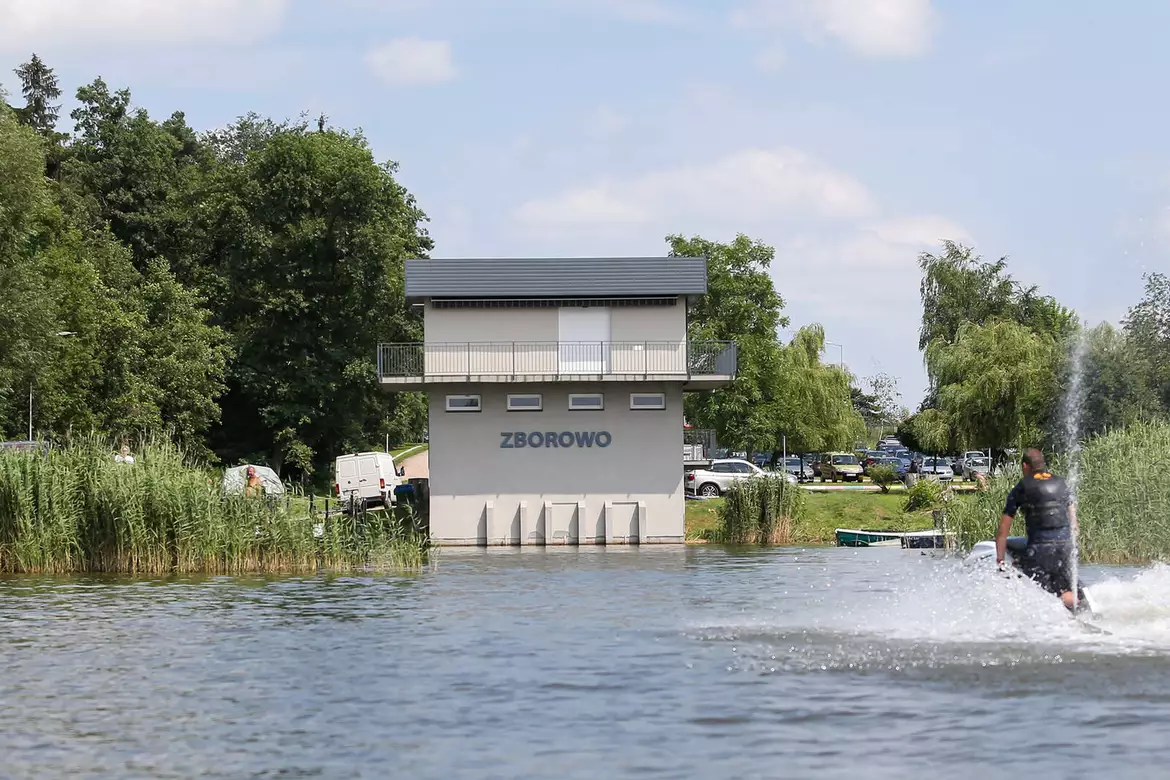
{"points": [[840, 347], [30, 389]]}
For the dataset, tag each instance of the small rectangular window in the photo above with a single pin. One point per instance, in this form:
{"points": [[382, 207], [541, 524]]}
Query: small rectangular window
{"points": [[586, 401], [525, 402], [647, 400], [463, 403]]}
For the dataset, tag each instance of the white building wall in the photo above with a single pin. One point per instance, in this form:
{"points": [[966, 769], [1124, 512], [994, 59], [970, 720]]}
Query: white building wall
{"points": [[628, 491], [628, 323]]}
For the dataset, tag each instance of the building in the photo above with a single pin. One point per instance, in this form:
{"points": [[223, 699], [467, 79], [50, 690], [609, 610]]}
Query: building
{"points": [[555, 393]]}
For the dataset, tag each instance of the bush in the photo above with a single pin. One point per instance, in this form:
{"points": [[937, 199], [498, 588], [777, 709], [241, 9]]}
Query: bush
{"points": [[924, 494], [76, 510], [760, 511], [883, 477]]}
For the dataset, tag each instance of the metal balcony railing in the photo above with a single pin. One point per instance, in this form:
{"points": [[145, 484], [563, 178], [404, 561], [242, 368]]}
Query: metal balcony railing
{"points": [[555, 358]]}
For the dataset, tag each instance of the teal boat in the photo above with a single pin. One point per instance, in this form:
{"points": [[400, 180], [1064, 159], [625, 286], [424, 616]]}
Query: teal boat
{"points": [[856, 537]]}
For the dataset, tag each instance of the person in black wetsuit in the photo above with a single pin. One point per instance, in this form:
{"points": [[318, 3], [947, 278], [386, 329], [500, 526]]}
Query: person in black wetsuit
{"points": [[1052, 527]]}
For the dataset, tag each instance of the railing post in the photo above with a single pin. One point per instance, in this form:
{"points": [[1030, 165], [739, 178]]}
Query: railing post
{"points": [[645, 359], [513, 360]]}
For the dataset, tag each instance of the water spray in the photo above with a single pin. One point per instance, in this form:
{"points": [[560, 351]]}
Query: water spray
{"points": [[1074, 402]]}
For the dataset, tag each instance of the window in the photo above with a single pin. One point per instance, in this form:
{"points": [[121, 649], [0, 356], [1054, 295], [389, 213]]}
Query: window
{"points": [[586, 401], [463, 403], [525, 402], [647, 400]]}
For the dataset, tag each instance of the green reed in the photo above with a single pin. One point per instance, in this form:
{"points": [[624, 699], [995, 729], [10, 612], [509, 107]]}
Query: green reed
{"points": [[760, 511], [77, 510], [1123, 498]]}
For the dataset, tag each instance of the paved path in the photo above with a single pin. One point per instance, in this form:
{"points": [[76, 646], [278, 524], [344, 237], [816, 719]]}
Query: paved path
{"points": [[418, 466]]}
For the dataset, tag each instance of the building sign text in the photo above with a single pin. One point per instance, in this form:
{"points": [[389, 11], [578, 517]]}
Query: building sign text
{"points": [[516, 440]]}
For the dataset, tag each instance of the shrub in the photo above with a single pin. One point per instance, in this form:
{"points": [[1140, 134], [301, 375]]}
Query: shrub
{"points": [[760, 511], [923, 494], [883, 477]]}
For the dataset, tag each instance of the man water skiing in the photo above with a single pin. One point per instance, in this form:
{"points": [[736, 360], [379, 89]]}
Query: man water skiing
{"points": [[1052, 528]]}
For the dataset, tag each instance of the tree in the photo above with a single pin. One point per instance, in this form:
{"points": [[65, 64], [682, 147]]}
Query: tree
{"points": [[958, 287], [1117, 388], [142, 355], [780, 390], [1147, 329], [996, 386], [311, 237], [41, 92]]}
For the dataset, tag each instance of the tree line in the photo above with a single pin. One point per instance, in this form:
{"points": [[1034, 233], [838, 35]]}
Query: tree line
{"points": [[1004, 361], [228, 286], [231, 287]]}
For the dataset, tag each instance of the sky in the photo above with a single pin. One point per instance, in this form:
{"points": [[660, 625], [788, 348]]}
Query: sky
{"points": [[850, 135]]}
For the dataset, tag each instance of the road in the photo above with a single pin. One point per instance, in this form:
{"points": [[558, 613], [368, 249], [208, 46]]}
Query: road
{"points": [[418, 466]]}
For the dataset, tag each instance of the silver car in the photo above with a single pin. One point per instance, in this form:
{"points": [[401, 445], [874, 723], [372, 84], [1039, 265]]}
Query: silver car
{"points": [[716, 480], [972, 467], [939, 468]]}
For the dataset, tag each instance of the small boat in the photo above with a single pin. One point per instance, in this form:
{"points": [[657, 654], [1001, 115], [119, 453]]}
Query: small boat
{"points": [[925, 540], [856, 537]]}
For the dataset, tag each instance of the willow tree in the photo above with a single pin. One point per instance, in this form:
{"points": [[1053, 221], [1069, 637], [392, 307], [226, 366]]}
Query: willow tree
{"points": [[781, 390], [995, 386]]}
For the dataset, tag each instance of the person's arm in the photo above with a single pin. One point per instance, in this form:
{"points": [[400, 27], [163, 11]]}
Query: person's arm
{"points": [[1005, 522]]}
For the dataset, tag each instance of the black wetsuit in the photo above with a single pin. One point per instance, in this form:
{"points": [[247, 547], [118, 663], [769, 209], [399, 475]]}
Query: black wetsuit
{"points": [[1048, 557]]}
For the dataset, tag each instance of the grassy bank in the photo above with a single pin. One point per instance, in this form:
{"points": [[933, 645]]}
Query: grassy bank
{"points": [[77, 510], [1123, 499], [823, 513]]}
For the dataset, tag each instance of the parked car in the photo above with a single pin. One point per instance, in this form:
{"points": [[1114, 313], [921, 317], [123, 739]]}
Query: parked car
{"points": [[973, 467], [716, 480], [816, 460], [367, 476], [802, 470], [899, 465], [841, 466], [939, 468]]}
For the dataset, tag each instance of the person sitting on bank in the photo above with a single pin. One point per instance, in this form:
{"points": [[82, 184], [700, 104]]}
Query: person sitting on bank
{"points": [[1051, 521], [253, 485], [124, 455]]}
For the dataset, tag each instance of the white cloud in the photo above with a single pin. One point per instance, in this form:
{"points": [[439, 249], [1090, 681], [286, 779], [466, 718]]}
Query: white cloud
{"points": [[412, 61], [104, 23], [746, 187], [874, 28]]}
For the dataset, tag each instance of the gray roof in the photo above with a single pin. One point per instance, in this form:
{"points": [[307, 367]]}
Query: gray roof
{"points": [[556, 277]]}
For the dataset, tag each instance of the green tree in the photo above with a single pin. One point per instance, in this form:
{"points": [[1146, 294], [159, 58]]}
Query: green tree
{"points": [[996, 386], [41, 93], [1147, 328], [312, 235], [1117, 387], [780, 390], [958, 287], [142, 355]]}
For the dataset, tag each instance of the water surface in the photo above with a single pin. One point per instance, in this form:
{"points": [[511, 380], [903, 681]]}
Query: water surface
{"points": [[579, 663]]}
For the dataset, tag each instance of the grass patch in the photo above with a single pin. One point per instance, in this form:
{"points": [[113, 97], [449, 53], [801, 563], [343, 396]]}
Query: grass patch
{"points": [[823, 513], [877, 511], [408, 450]]}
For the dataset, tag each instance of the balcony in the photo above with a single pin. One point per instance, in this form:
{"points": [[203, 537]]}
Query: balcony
{"points": [[697, 365]]}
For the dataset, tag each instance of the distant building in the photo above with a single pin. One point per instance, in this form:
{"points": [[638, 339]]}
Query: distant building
{"points": [[555, 391]]}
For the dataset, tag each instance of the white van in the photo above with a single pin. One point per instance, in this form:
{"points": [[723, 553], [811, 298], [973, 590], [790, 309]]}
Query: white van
{"points": [[367, 475]]}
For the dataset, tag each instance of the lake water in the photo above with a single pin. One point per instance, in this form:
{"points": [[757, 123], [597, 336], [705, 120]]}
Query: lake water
{"points": [[643, 663]]}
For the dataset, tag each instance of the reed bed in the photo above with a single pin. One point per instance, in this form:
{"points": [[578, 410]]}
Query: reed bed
{"points": [[1123, 498], [76, 510], [760, 511]]}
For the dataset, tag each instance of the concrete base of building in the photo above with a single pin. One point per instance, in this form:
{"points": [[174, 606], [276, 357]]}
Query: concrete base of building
{"points": [[511, 522]]}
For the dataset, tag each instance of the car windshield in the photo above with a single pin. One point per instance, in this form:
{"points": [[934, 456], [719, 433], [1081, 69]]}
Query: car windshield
{"points": [[935, 462], [978, 461], [844, 460]]}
